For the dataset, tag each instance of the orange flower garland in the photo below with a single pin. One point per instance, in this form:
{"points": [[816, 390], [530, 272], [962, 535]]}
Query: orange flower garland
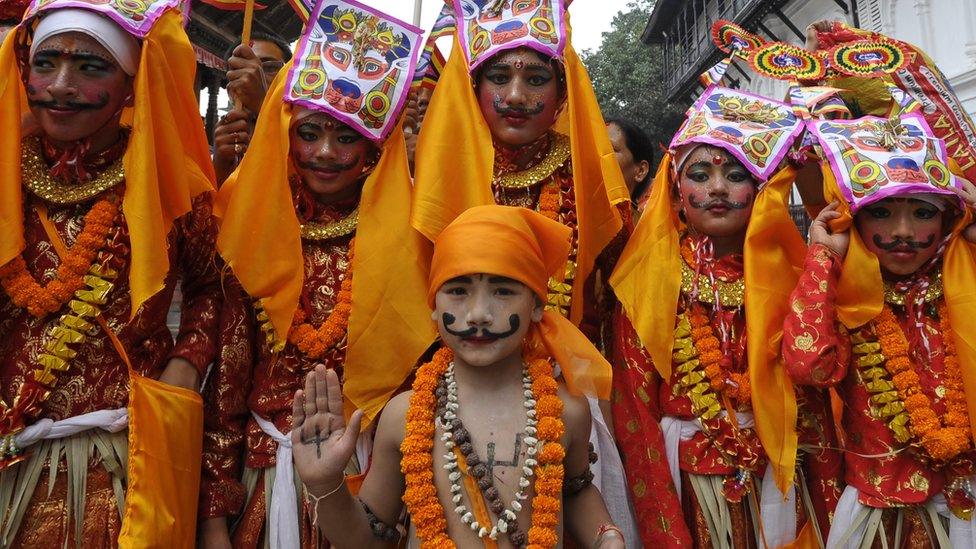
{"points": [[942, 440], [417, 462], [315, 342], [733, 384], [39, 300], [550, 200]]}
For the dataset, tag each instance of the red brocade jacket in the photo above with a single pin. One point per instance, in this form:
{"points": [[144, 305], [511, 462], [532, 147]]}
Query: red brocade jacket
{"points": [[255, 380], [97, 378], [641, 398], [818, 353], [598, 308]]}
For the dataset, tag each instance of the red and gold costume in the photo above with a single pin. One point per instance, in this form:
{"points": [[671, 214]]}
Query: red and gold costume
{"points": [[96, 451], [698, 392], [641, 399], [338, 284], [820, 353], [893, 351], [98, 379]]}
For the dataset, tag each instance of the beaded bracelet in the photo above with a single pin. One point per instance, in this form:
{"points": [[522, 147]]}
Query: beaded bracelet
{"points": [[577, 484], [380, 529]]}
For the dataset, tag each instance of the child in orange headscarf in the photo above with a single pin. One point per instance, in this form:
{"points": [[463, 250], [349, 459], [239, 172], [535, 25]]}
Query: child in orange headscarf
{"points": [[489, 447]]}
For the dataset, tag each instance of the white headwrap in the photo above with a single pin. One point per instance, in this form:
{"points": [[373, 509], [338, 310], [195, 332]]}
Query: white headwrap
{"points": [[124, 47]]}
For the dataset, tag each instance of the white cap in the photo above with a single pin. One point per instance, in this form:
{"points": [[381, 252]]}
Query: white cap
{"points": [[124, 47]]}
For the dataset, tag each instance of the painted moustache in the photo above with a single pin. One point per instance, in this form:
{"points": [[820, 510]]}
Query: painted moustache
{"points": [[730, 204], [903, 243], [502, 110], [70, 105], [449, 319], [337, 167]]}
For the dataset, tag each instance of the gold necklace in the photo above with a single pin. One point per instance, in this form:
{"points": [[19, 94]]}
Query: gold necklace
{"points": [[894, 297], [558, 154], [731, 294], [35, 177], [328, 231]]}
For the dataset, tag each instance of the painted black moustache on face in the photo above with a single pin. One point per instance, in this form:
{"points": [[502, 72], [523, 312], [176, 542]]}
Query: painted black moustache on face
{"points": [[903, 243], [502, 110], [102, 102], [730, 204], [449, 319], [336, 167]]}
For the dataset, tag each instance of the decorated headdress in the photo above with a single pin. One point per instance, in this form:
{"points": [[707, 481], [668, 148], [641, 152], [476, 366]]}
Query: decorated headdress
{"points": [[864, 63], [349, 47], [523, 245], [455, 155], [167, 160], [758, 132]]}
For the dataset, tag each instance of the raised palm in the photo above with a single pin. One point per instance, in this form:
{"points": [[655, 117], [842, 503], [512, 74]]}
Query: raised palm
{"points": [[322, 443]]}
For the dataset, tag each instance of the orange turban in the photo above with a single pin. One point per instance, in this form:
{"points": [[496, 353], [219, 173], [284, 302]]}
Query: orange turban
{"points": [[528, 247]]}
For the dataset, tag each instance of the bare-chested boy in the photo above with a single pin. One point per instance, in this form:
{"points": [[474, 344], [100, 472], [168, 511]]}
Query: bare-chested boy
{"points": [[489, 448]]}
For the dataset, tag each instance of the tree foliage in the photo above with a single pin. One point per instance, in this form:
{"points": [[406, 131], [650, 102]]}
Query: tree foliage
{"points": [[626, 75]]}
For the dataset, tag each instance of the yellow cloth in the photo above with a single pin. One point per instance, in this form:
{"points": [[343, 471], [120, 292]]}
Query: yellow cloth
{"points": [[260, 238], [165, 450], [860, 291], [860, 294], [167, 161], [773, 245], [526, 246], [649, 272], [455, 160]]}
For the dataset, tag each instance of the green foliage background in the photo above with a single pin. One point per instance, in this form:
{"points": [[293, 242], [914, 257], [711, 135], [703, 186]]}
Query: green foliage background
{"points": [[626, 75]]}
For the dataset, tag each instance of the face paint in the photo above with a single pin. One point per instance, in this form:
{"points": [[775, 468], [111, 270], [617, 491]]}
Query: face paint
{"points": [[715, 197], [76, 91], [484, 318], [520, 97], [904, 233], [486, 334], [330, 157]]}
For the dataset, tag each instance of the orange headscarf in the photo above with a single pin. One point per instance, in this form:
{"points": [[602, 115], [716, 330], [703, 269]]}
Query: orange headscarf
{"points": [[455, 160], [260, 238], [647, 281], [167, 161], [526, 246]]}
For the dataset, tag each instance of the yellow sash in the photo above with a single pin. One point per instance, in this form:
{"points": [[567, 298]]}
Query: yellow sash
{"points": [[165, 450]]}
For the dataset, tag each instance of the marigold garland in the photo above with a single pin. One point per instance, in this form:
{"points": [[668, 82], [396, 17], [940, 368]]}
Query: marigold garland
{"points": [[316, 341], [417, 449], [40, 301], [942, 439], [550, 200], [733, 384]]}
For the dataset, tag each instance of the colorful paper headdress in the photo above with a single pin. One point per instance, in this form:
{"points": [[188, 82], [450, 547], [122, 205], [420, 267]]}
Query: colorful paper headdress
{"points": [[491, 26], [873, 158], [356, 64], [757, 131], [137, 18]]}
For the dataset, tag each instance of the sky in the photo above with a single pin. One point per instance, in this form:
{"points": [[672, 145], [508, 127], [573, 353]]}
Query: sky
{"points": [[590, 17]]}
